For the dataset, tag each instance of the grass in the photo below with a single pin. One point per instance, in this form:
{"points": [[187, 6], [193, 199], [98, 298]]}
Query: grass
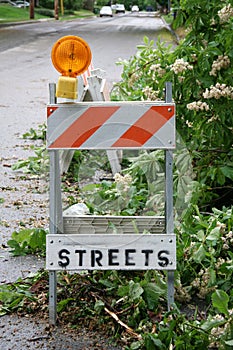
{"points": [[77, 14], [10, 13]]}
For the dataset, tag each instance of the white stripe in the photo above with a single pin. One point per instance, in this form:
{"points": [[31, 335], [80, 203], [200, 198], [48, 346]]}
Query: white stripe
{"points": [[115, 126]]}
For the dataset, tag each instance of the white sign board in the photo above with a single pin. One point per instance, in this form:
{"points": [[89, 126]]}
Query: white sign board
{"points": [[111, 252]]}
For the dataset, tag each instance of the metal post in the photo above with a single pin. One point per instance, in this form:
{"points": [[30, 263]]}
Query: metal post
{"points": [[169, 202], [55, 215]]}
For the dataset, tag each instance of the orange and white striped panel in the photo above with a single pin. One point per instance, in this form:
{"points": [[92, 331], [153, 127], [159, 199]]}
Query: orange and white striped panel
{"points": [[106, 125]]}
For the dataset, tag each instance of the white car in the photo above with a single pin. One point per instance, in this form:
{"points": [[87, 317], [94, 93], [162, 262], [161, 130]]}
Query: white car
{"points": [[135, 8], [106, 11], [120, 8], [22, 4]]}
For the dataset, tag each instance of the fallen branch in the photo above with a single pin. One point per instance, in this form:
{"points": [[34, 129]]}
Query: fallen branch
{"points": [[127, 328]]}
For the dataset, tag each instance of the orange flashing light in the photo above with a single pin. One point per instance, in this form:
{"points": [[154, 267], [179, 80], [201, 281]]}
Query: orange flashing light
{"points": [[71, 56]]}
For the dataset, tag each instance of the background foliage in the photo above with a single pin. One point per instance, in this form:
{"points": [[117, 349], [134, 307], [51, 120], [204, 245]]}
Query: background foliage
{"points": [[200, 69]]}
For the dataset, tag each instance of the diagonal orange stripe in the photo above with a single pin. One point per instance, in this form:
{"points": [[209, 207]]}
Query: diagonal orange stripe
{"points": [[145, 127], [83, 127]]}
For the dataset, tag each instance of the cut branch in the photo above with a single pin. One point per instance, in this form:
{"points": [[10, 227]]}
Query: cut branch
{"points": [[127, 328]]}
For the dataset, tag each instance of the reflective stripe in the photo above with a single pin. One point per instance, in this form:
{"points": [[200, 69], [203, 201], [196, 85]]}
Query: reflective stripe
{"points": [[111, 125]]}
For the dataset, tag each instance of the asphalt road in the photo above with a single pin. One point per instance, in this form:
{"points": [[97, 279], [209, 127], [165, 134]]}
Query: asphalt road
{"points": [[26, 71]]}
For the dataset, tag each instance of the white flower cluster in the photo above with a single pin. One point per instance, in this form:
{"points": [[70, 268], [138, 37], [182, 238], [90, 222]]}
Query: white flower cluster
{"points": [[123, 181], [213, 119], [198, 106], [156, 68], [225, 13], [218, 91], [182, 294], [150, 94], [201, 283], [217, 331], [222, 261], [222, 227], [134, 77], [190, 124], [180, 66], [227, 240], [219, 263], [221, 62]]}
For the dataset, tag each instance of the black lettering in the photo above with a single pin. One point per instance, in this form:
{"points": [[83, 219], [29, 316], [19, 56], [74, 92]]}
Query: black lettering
{"points": [[112, 257], [62, 256], [80, 253], [147, 252], [96, 256], [128, 257], [164, 260]]}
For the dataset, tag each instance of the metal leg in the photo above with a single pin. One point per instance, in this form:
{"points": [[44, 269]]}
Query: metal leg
{"points": [[169, 203], [52, 297], [55, 226], [169, 220]]}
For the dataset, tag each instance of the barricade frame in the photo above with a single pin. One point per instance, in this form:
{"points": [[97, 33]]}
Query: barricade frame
{"points": [[56, 213]]}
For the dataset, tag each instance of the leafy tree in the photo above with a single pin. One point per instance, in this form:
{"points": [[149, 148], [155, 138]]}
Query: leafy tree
{"points": [[201, 73]]}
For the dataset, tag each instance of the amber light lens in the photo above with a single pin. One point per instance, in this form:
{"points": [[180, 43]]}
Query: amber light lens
{"points": [[71, 56]]}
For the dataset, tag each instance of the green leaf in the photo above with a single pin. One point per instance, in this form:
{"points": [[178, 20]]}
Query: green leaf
{"points": [[17, 250], [199, 254], [62, 304], [135, 290], [99, 306], [229, 342], [227, 171], [214, 234], [38, 239], [123, 291], [152, 293], [27, 241], [136, 345], [212, 323], [220, 301]]}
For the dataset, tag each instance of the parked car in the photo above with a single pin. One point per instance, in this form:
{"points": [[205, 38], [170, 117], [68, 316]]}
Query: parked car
{"points": [[120, 8], [22, 3], [135, 8], [106, 11]]}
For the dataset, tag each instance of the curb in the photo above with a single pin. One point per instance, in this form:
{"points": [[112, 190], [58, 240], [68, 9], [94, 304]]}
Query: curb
{"points": [[32, 21], [168, 26]]}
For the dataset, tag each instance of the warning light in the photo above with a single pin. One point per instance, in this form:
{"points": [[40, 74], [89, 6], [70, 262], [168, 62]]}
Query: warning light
{"points": [[71, 56]]}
